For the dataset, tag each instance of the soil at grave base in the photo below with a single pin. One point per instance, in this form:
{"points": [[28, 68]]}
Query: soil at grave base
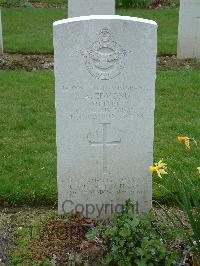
{"points": [[10, 219], [154, 4], [26, 3], [31, 62], [48, 5], [63, 240]]}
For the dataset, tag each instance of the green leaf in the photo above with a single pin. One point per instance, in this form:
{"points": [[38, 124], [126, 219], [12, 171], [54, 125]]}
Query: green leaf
{"points": [[125, 232]]}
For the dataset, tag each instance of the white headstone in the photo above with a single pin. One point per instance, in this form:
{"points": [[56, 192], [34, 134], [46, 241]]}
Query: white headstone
{"points": [[189, 29], [105, 70], [77, 8], [1, 36]]}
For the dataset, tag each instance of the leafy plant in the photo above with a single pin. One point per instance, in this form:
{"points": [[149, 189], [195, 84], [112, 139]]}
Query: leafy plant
{"points": [[186, 192], [188, 198], [134, 239]]}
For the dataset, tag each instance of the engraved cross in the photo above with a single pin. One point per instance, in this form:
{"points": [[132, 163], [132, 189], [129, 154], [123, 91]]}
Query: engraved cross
{"points": [[105, 143]]}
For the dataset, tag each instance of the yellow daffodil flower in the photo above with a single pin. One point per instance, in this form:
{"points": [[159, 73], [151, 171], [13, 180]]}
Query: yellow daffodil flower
{"points": [[198, 168], [159, 168], [186, 141]]}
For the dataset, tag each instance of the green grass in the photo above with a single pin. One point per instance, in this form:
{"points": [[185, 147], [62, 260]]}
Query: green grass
{"points": [[27, 132], [27, 137], [167, 20], [177, 114], [30, 30]]}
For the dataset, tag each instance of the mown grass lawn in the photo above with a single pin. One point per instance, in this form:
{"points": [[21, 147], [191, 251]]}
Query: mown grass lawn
{"points": [[30, 29], [27, 137], [177, 114], [27, 132]]}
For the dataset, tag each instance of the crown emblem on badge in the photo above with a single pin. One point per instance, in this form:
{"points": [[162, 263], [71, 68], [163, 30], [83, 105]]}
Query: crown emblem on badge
{"points": [[105, 35], [105, 58]]}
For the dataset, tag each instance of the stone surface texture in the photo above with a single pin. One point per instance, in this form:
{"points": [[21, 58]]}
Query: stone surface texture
{"points": [[1, 36], [77, 8], [189, 29], [105, 71]]}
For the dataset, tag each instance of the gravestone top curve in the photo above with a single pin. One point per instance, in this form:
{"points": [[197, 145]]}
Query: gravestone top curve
{"points": [[105, 71], [100, 17]]}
